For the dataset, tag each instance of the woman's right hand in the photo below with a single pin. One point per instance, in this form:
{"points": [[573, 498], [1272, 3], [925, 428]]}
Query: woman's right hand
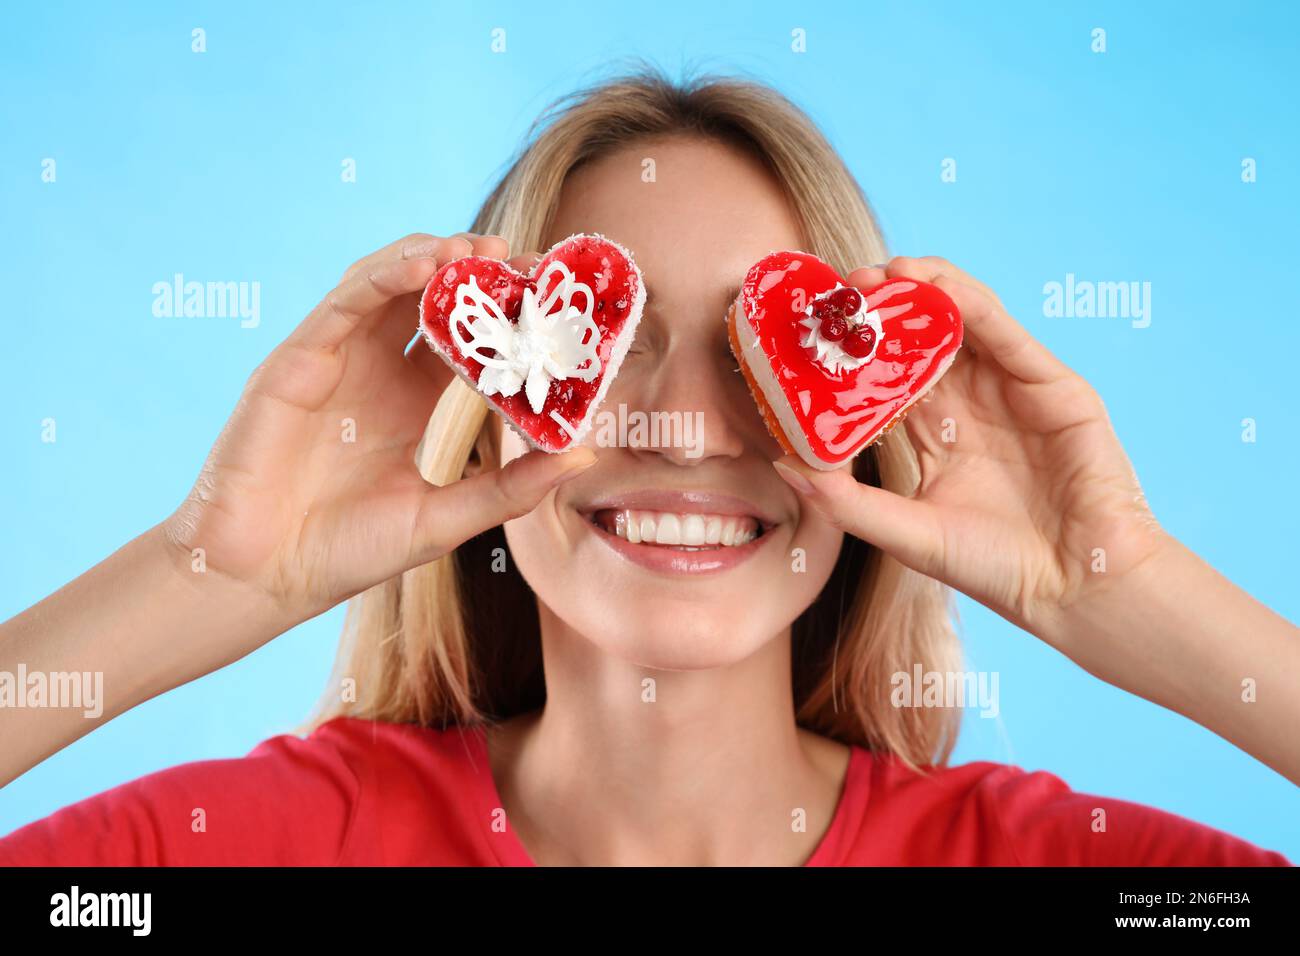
{"points": [[311, 493]]}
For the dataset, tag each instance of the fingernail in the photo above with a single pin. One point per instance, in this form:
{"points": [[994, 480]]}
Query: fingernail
{"points": [[793, 478]]}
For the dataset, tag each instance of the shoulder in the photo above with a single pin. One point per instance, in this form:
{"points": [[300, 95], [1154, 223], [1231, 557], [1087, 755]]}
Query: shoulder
{"points": [[986, 813], [291, 800], [372, 743], [426, 794], [404, 758], [228, 811]]}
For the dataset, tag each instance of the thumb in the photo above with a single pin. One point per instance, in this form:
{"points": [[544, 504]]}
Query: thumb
{"points": [[902, 527], [454, 513]]}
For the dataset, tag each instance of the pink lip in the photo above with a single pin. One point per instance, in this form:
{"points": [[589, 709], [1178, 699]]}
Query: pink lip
{"points": [[669, 560]]}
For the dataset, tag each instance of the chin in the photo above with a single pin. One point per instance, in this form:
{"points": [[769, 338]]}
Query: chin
{"points": [[656, 634], [693, 609]]}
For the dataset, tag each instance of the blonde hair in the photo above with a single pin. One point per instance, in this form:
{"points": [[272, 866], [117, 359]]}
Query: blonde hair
{"points": [[454, 643]]}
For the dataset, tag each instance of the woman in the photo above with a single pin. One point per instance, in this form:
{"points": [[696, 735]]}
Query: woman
{"points": [[518, 686]]}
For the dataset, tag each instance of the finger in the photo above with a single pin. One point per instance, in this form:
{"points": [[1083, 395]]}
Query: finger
{"points": [[351, 305], [454, 513], [422, 245], [1001, 337], [525, 261], [866, 278], [994, 330], [902, 527], [418, 245], [493, 247], [928, 268], [942, 266]]}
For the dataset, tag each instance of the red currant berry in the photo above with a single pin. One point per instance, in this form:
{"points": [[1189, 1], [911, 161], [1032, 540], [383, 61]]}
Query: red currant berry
{"points": [[847, 299], [835, 328], [859, 342], [823, 310]]}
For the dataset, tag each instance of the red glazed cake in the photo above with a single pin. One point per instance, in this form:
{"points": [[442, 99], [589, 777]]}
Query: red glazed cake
{"points": [[542, 348], [832, 367]]}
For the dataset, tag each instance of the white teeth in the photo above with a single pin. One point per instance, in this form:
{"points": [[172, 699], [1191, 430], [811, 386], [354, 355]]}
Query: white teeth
{"points": [[691, 530], [668, 530]]}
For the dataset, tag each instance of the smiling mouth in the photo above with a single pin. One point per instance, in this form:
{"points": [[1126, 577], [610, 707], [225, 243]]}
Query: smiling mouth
{"points": [[679, 531]]}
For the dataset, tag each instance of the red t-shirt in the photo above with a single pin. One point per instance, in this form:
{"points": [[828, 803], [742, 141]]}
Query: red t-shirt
{"points": [[360, 792]]}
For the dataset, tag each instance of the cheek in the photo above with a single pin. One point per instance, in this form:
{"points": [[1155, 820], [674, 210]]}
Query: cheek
{"points": [[817, 536], [542, 553], [814, 547], [536, 545], [819, 540]]}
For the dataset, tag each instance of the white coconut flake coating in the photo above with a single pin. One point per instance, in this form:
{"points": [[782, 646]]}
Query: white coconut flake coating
{"points": [[761, 370], [622, 342]]}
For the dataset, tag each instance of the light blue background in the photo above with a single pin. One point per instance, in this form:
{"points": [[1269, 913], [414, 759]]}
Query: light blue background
{"points": [[226, 166]]}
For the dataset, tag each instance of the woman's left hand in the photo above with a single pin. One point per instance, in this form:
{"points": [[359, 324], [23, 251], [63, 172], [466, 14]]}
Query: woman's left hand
{"points": [[1032, 508], [1027, 501]]}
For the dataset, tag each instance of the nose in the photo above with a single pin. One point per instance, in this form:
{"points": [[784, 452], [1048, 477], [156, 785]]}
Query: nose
{"points": [[698, 395]]}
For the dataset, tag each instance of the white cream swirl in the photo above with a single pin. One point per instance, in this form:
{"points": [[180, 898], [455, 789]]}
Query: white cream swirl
{"points": [[831, 354]]}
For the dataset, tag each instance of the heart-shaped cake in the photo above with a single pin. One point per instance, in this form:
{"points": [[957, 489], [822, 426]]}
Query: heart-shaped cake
{"points": [[542, 348], [833, 367]]}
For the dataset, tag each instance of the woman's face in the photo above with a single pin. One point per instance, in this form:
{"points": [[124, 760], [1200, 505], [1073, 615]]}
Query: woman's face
{"points": [[726, 559]]}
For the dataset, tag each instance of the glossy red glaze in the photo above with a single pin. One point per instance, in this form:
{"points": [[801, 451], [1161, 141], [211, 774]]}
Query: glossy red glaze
{"points": [[840, 414], [599, 263]]}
